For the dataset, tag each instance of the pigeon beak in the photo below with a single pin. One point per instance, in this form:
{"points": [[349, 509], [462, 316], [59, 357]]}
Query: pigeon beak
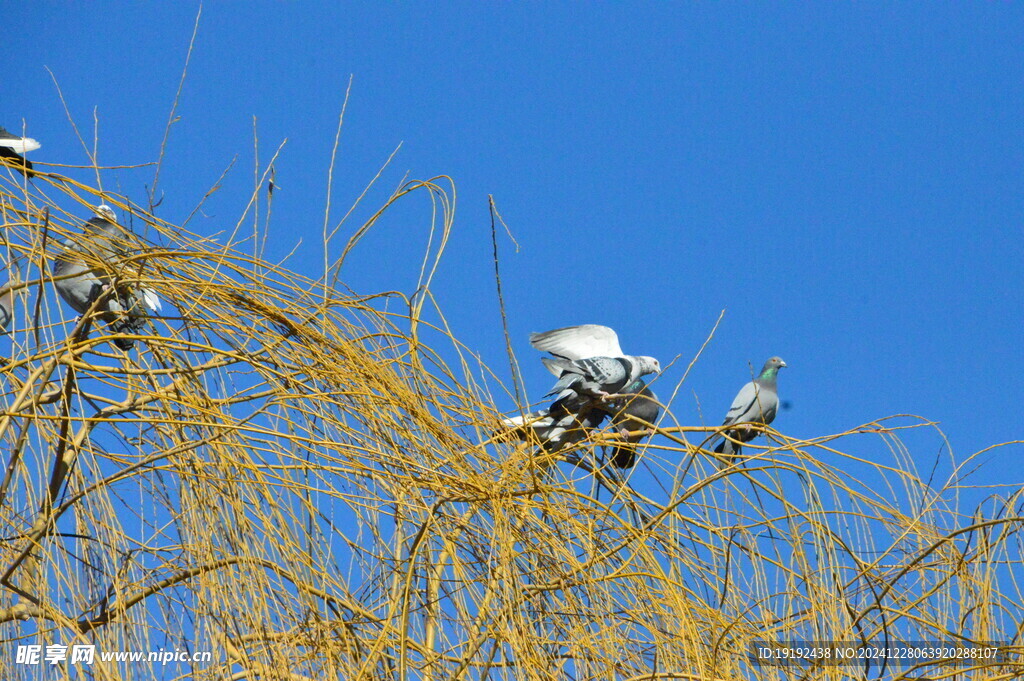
{"points": [[783, 364]]}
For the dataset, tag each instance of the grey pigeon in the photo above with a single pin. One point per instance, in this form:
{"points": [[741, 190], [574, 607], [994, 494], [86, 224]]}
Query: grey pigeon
{"points": [[756, 402], [567, 422], [588, 361], [636, 412], [563, 424], [12, 147], [124, 309], [6, 308]]}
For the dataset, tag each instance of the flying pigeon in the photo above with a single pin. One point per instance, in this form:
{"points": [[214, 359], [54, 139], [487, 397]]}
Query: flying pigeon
{"points": [[756, 402], [588, 362], [635, 412], [12, 147], [79, 284]]}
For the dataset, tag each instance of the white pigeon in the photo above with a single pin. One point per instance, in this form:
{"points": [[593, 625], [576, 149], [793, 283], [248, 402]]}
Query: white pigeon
{"points": [[588, 361], [13, 146]]}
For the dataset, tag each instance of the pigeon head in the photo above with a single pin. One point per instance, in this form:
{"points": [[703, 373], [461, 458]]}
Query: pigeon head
{"points": [[103, 224], [105, 212], [771, 367], [104, 237], [648, 365]]}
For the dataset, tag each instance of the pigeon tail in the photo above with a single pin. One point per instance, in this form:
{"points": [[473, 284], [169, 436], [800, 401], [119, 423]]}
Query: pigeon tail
{"points": [[728, 450], [151, 301], [535, 420], [624, 456], [126, 343], [18, 145], [11, 148], [132, 308], [129, 324]]}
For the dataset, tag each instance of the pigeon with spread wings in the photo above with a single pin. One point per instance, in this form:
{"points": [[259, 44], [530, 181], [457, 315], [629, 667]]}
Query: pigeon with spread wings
{"points": [[589, 362]]}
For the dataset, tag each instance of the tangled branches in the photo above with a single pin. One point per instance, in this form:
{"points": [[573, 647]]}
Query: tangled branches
{"points": [[306, 484]]}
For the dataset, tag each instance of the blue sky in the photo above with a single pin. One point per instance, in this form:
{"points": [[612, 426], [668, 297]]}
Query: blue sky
{"points": [[845, 180]]}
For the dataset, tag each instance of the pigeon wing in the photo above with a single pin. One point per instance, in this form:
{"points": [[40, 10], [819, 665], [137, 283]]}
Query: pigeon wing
{"points": [[605, 371], [80, 290], [559, 366], [578, 342], [744, 406]]}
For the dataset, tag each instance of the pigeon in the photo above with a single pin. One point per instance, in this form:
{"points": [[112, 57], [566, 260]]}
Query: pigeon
{"points": [[568, 422], [756, 402], [6, 308], [559, 426], [635, 412], [12, 147], [125, 309], [588, 362]]}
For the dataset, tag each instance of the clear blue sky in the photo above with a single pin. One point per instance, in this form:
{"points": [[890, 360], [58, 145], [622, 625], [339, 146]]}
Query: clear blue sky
{"points": [[845, 180]]}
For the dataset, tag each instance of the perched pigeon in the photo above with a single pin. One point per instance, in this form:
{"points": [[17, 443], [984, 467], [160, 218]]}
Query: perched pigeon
{"points": [[124, 309], [757, 402], [635, 412], [588, 361], [6, 308], [12, 147], [561, 425], [567, 422]]}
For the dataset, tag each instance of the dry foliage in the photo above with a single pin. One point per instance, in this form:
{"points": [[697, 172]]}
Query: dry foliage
{"points": [[304, 482]]}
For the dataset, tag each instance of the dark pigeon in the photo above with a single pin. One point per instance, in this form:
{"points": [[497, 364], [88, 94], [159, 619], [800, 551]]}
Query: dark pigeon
{"points": [[636, 412], [756, 402]]}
